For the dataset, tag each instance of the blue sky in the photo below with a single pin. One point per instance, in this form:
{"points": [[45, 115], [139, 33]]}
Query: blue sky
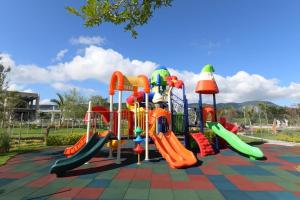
{"points": [[258, 37]]}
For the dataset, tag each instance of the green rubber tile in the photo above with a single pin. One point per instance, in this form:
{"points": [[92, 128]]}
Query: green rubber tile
{"points": [[137, 193], [257, 178], [79, 182], [209, 194], [185, 194], [113, 193], [19, 183], [51, 188], [165, 194], [119, 183], [19, 193], [225, 170], [178, 175], [140, 184], [27, 167], [282, 174], [109, 175], [289, 186], [161, 170]]}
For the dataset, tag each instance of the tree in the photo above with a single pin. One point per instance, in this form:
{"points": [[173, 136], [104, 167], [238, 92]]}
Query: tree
{"points": [[75, 106], [132, 13], [8, 101], [263, 107], [3, 90], [250, 113], [99, 100], [60, 102]]}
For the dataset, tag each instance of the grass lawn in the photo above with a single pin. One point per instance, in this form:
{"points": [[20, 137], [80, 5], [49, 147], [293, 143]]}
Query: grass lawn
{"points": [[33, 140], [284, 135], [40, 132]]}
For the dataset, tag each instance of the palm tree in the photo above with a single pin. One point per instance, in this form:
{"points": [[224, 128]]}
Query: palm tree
{"points": [[60, 102]]}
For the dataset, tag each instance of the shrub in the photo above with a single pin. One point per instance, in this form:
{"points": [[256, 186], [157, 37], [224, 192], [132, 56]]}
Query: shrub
{"points": [[4, 142], [62, 140]]}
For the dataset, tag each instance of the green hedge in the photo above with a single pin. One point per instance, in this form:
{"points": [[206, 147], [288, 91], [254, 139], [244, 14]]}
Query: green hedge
{"points": [[62, 140]]}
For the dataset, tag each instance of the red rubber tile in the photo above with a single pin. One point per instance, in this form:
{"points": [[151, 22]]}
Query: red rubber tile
{"points": [[142, 174], [195, 182], [14, 175], [89, 193], [161, 177], [161, 184], [210, 170], [45, 180], [67, 192], [5, 168], [126, 174], [243, 183], [297, 194], [232, 160]]}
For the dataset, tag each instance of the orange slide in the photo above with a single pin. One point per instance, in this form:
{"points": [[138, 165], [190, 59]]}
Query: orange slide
{"points": [[169, 146], [69, 151]]}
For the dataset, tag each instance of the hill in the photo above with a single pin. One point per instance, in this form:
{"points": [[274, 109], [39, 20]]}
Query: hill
{"points": [[238, 105]]}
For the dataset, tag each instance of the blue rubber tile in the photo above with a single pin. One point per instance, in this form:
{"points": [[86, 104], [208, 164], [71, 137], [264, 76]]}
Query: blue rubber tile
{"points": [[291, 159], [251, 170], [235, 195], [294, 173], [259, 195], [228, 153], [193, 170], [88, 176], [221, 182], [4, 181], [283, 196], [102, 183]]}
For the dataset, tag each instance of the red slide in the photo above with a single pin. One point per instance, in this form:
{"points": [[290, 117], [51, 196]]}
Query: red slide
{"points": [[204, 144]]}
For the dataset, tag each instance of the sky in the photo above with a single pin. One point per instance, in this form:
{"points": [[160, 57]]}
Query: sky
{"points": [[253, 45]]}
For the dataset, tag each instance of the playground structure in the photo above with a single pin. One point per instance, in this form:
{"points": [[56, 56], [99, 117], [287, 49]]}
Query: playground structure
{"points": [[155, 112]]}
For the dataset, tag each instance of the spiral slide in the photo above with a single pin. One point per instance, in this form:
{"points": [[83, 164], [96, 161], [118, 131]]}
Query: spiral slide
{"points": [[172, 149], [235, 141]]}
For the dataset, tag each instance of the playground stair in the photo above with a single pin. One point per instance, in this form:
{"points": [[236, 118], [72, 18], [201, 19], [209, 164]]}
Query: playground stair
{"points": [[204, 144]]}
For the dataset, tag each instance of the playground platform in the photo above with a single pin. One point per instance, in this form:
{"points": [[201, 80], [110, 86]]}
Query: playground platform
{"points": [[227, 175]]}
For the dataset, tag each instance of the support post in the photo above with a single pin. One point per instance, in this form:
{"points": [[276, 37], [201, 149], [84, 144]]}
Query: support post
{"points": [[216, 120], [135, 114], [119, 128], [111, 113], [201, 124], [170, 107], [147, 128], [186, 119], [88, 122]]}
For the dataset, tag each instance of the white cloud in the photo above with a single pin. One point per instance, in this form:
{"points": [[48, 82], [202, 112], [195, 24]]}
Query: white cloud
{"points": [[67, 87], [98, 63], [87, 40], [241, 87], [46, 102], [60, 55]]}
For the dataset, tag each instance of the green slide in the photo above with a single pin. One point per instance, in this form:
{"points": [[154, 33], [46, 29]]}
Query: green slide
{"points": [[85, 154], [235, 141]]}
